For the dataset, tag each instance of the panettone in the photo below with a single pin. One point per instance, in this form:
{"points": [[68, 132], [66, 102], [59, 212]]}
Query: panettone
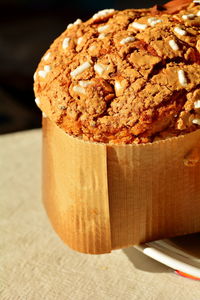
{"points": [[129, 76], [120, 95]]}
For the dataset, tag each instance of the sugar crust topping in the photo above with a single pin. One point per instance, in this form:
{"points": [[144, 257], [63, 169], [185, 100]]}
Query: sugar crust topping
{"points": [[124, 76]]}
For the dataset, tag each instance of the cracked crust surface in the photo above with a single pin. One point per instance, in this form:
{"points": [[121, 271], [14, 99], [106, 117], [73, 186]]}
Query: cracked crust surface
{"points": [[129, 76]]}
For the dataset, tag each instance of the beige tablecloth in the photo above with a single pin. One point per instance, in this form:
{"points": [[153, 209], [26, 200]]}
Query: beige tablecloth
{"points": [[34, 262]]}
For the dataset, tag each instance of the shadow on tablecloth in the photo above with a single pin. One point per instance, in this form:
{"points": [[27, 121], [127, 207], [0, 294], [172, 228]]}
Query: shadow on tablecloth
{"points": [[145, 263]]}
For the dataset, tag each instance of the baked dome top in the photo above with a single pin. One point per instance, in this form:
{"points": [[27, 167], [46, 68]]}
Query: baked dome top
{"points": [[129, 76]]}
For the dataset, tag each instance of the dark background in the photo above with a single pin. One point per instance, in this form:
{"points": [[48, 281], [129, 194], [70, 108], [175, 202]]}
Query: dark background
{"points": [[27, 28]]}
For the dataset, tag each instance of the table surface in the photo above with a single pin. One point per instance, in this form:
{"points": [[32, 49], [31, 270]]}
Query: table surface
{"points": [[36, 264]]}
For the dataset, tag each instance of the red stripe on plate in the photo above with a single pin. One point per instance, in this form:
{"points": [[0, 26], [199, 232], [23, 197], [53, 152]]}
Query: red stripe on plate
{"points": [[186, 275]]}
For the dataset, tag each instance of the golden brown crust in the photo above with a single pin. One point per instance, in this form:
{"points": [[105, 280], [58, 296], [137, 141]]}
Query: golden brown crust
{"points": [[170, 7], [125, 76]]}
